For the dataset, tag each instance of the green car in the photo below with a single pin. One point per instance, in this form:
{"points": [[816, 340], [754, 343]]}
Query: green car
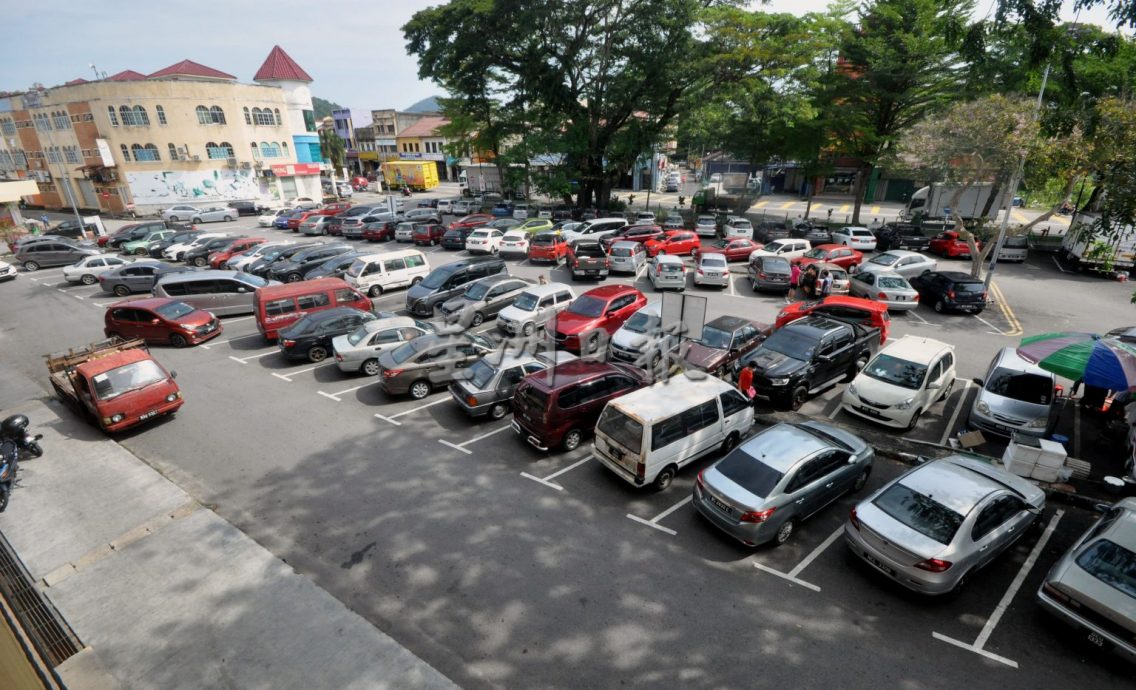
{"points": [[534, 225], [142, 246]]}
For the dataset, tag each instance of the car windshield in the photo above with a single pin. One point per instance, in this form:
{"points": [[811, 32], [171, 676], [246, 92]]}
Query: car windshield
{"points": [[714, 261], [776, 264], [542, 239], [526, 301], [707, 220], [716, 338], [622, 429], [405, 352], [816, 253], [173, 310], [884, 259], [1031, 388], [480, 374], [921, 513], [1019, 242], [893, 283], [1112, 564], [899, 372], [130, 377], [749, 472], [476, 291], [643, 322], [437, 279], [791, 344], [254, 281], [621, 251], [587, 306], [968, 287]]}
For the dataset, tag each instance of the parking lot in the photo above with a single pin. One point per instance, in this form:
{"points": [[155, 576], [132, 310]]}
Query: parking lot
{"points": [[506, 566]]}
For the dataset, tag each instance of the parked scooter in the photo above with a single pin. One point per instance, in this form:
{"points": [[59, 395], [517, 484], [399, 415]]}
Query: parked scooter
{"points": [[14, 441]]}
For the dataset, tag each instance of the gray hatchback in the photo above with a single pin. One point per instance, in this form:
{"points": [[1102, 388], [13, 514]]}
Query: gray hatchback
{"points": [[765, 487], [483, 299], [36, 255]]}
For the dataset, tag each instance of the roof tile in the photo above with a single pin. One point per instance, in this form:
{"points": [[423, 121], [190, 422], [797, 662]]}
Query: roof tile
{"points": [[279, 66]]}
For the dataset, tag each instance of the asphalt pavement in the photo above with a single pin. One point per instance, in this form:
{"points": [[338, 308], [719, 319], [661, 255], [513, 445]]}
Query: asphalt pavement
{"points": [[505, 567]]}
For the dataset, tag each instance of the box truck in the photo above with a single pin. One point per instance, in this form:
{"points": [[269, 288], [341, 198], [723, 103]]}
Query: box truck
{"points": [[418, 175], [935, 200], [1087, 245]]}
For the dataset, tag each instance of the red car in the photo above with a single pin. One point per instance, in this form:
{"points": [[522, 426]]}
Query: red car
{"points": [[295, 221], [632, 233], [474, 220], [548, 246], [840, 255], [856, 309], [379, 230], [335, 209], [735, 250], [428, 233], [593, 316], [950, 245], [678, 242], [161, 320], [218, 258]]}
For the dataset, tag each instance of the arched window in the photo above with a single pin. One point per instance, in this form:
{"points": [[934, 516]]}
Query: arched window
{"points": [[140, 116], [278, 120], [203, 115], [161, 114], [126, 115], [228, 149], [262, 117], [217, 115], [112, 116], [173, 149], [212, 150], [125, 153], [248, 118], [152, 153], [284, 148], [266, 150]]}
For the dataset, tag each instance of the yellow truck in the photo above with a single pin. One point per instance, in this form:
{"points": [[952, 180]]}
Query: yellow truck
{"points": [[418, 175]]}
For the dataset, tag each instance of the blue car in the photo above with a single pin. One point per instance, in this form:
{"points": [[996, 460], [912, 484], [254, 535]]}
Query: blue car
{"points": [[281, 222], [502, 210]]}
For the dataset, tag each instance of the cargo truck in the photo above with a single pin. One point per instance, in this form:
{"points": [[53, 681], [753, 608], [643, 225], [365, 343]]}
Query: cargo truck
{"points": [[934, 201], [1087, 245], [417, 175]]}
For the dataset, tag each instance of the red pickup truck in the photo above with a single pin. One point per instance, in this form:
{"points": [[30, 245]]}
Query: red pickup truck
{"points": [[114, 382]]}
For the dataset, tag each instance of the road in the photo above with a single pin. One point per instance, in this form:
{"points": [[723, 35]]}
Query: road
{"points": [[506, 567]]}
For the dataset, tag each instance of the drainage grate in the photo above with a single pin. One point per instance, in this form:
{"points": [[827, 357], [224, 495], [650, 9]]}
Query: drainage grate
{"points": [[52, 637]]}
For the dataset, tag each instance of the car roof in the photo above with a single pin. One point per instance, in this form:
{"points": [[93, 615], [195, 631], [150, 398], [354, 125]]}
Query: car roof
{"points": [[959, 277], [898, 252], [784, 436], [144, 302], [199, 275], [1123, 531], [398, 253], [1008, 358], [732, 323], [954, 482], [914, 348], [609, 291], [547, 288], [300, 288], [668, 259], [848, 301], [571, 372], [669, 397]]}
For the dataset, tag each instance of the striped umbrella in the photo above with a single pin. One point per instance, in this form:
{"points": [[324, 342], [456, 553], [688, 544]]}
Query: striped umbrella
{"points": [[1095, 360]]}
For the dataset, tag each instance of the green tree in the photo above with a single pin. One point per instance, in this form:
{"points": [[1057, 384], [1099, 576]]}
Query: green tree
{"points": [[332, 148], [322, 108]]}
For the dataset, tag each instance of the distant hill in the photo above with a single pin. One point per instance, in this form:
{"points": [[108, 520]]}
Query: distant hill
{"points": [[323, 108], [426, 105]]}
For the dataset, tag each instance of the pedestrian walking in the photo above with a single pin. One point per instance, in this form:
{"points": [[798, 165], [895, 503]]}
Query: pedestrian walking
{"points": [[745, 380], [794, 283]]}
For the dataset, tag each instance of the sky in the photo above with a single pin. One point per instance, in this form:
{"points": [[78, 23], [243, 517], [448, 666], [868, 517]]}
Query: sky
{"points": [[354, 51]]}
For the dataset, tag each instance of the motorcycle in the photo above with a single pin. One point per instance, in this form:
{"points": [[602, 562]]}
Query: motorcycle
{"points": [[406, 191], [14, 440]]}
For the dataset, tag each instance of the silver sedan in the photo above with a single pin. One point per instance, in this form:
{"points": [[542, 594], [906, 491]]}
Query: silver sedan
{"points": [[905, 263], [712, 269], [213, 214], [882, 285]]}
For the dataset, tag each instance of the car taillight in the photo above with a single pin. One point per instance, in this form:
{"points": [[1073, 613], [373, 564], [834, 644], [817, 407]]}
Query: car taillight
{"points": [[288, 343], [607, 263], [640, 469], [698, 480], [934, 565], [391, 373], [1057, 594], [338, 357], [659, 269], [916, 297], [761, 274], [758, 516], [882, 296], [854, 519], [950, 294], [700, 271]]}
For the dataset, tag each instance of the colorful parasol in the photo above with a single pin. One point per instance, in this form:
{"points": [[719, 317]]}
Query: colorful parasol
{"points": [[1094, 360]]}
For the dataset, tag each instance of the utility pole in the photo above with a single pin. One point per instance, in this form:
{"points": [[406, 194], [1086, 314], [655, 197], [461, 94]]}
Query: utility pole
{"points": [[1014, 182]]}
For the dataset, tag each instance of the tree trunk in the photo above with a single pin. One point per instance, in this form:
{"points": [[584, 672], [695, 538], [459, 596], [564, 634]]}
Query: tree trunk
{"points": [[862, 176]]}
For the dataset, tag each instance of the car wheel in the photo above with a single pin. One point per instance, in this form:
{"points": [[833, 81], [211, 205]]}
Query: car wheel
{"points": [[947, 391], [121, 290], [730, 443], [498, 410], [371, 367], [856, 368], [228, 219], [939, 306], [528, 329], [31, 266], [593, 344], [294, 277], [141, 251], [4, 491], [962, 583], [375, 290], [419, 389], [478, 319], [798, 398], [914, 420], [317, 354], [415, 281], [178, 340], [200, 261], [784, 532], [195, 220], [861, 480], [88, 279], [664, 478], [572, 439]]}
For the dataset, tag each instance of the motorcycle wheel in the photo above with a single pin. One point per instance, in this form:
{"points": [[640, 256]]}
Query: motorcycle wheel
{"points": [[5, 489], [35, 449]]}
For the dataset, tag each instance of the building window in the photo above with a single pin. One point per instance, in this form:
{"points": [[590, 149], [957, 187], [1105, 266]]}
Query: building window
{"points": [[262, 117], [248, 118], [255, 151], [126, 114], [125, 152], [145, 154], [6, 161], [71, 153], [222, 150], [210, 116], [7, 126], [42, 122], [113, 117], [172, 149], [141, 116], [203, 115], [284, 148], [61, 119], [309, 120], [276, 112], [161, 114], [53, 155], [20, 159], [268, 150], [217, 115]]}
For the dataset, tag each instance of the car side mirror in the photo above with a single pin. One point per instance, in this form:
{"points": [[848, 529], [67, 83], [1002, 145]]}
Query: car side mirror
{"points": [[155, 322], [977, 381], [824, 358], [173, 373], [241, 289], [934, 385], [1101, 508], [852, 459]]}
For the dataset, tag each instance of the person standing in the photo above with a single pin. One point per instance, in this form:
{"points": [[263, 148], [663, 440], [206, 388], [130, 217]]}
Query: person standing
{"points": [[794, 282], [745, 380], [808, 282], [825, 283]]}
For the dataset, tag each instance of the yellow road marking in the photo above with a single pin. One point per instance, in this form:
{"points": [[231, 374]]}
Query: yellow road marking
{"points": [[1018, 217], [844, 208], [875, 209], [761, 204], [1015, 325], [787, 205]]}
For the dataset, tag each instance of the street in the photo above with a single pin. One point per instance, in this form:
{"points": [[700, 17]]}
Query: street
{"points": [[506, 567]]}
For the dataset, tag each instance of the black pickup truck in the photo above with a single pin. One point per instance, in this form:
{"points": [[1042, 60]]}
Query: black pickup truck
{"points": [[587, 259], [809, 355]]}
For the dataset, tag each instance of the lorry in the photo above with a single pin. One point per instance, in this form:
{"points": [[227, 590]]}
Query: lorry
{"points": [[807, 356], [1089, 246], [587, 259], [935, 201], [115, 383], [417, 175]]}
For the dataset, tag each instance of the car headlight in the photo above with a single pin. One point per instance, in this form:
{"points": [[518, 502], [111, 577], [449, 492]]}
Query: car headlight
{"points": [[779, 382], [905, 404], [852, 390], [1039, 423], [189, 328], [117, 418], [173, 396], [982, 407]]}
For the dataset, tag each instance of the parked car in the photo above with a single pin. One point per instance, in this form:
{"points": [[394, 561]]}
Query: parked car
{"points": [[240, 261], [404, 231], [245, 208], [1092, 588], [905, 263], [769, 230], [641, 340], [484, 241], [815, 234], [712, 270], [296, 220], [646, 217], [294, 268], [359, 350], [514, 243], [884, 286], [304, 203], [284, 220], [933, 527], [534, 225], [586, 258], [335, 267], [854, 309], [534, 308], [768, 272], [788, 248], [1014, 397], [706, 226], [88, 269], [379, 230], [561, 406], [136, 277], [178, 250], [129, 233], [455, 238], [732, 249], [335, 208], [902, 236], [482, 299], [626, 257], [268, 217], [427, 234], [724, 340], [837, 254], [737, 227], [198, 255], [855, 237], [262, 266], [7, 271], [593, 316], [548, 246], [218, 258], [951, 245], [213, 214], [141, 246], [674, 243], [763, 489], [595, 228], [377, 273], [632, 233], [71, 229], [951, 291], [667, 272], [474, 220], [181, 212], [674, 221], [902, 382], [486, 387], [160, 320], [350, 223], [422, 215], [310, 338], [449, 281], [428, 362], [36, 255], [222, 292], [157, 249]]}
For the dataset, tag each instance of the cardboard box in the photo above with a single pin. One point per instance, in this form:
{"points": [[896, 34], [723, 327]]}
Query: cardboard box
{"points": [[971, 439]]}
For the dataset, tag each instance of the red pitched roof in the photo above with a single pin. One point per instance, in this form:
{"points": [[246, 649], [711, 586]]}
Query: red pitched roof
{"points": [[279, 66], [424, 127], [127, 75], [189, 68], [75, 82]]}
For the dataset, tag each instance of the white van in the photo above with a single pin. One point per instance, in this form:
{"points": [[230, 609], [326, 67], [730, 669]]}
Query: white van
{"points": [[646, 436], [375, 273], [1014, 249]]}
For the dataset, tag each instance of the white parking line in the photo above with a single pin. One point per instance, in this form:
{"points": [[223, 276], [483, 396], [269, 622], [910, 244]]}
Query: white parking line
{"points": [[236, 337], [245, 360], [547, 481], [997, 331], [79, 297], [1000, 609], [915, 315], [393, 417], [784, 576], [816, 552], [243, 318], [955, 414], [462, 446], [335, 396], [288, 377], [654, 522]]}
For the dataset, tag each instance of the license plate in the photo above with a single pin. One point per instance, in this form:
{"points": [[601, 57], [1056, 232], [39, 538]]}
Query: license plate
{"points": [[876, 562], [151, 413], [870, 411], [1096, 639], [725, 508]]}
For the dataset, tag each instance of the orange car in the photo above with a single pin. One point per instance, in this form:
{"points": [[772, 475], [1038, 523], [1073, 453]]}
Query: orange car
{"points": [[858, 309], [295, 222]]}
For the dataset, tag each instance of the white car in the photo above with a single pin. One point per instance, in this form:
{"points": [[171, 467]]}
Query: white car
{"points": [[181, 212], [463, 208], [645, 217], [514, 242], [344, 190], [445, 206], [484, 241], [175, 252], [521, 211], [304, 202], [902, 382], [738, 228], [706, 226], [855, 237], [88, 270], [886, 287], [712, 269], [240, 261], [268, 218], [7, 271], [905, 263], [788, 248], [544, 214]]}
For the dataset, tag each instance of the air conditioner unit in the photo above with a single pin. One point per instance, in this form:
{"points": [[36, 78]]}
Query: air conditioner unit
{"points": [[182, 151], [259, 164], [196, 158], [245, 165], [231, 162]]}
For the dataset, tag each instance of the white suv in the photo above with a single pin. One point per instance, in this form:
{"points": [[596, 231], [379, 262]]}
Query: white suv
{"points": [[902, 381], [534, 308], [594, 229]]}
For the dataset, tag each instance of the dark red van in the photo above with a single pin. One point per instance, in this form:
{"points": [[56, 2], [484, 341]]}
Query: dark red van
{"points": [[561, 405], [278, 306]]}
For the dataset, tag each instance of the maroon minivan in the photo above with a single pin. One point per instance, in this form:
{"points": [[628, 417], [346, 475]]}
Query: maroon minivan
{"points": [[559, 406]]}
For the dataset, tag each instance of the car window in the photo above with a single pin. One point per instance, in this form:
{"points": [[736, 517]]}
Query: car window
{"points": [[805, 474], [732, 403], [1112, 564], [667, 431], [995, 514], [548, 301], [320, 299], [512, 376], [414, 261], [533, 367], [394, 265], [277, 307], [699, 417]]}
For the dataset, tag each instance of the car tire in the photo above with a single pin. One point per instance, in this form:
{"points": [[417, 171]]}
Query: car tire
{"points": [[317, 354], [195, 220], [861, 480], [856, 368], [200, 261], [5, 491], [528, 329], [784, 532], [88, 279], [178, 340], [664, 478], [939, 306], [798, 398], [371, 367], [31, 266], [572, 439], [141, 251], [730, 443], [914, 420], [477, 320], [121, 290], [415, 281], [294, 278], [375, 291], [419, 389], [498, 410], [593, 344], [947, 391]]}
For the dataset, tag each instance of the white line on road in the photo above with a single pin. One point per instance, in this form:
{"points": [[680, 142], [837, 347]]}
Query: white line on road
{"points": [[816, 552], [335, 396], [654, 522], [288, 377], [243, 318], [955, 414], [1059, 266], [1007, 598], [462, 446], [913, 314], [79, 297], [783, 576], [244, 360], [441, 399], [547, 481], [998, 331]]}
